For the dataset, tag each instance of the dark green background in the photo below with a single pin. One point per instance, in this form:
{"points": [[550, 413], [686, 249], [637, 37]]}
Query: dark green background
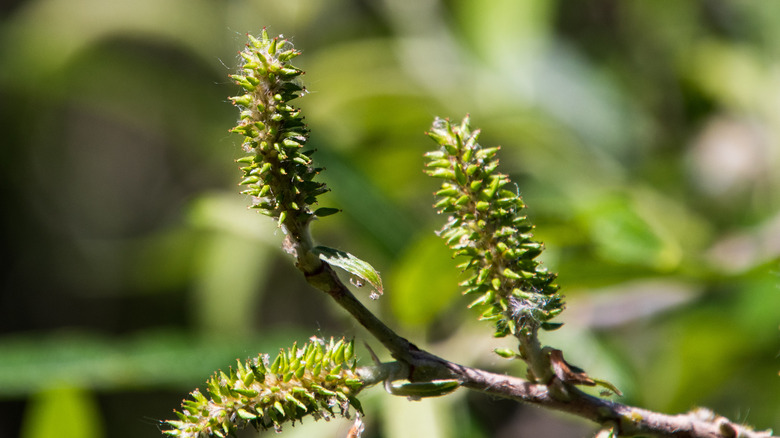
{"points": [[643, 135]]}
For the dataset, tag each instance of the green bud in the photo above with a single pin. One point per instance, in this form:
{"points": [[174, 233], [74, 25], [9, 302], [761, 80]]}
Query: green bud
{"points": [[243, 100], [451, 148], [508, 273], [288, 55], [448, 192], [467, 154], [482, 206], [246, 392], [302, 392], [484, 299], [442, 203], [279, 408], [338, 352], [322, 391], [214, 391], [463, 200], [349, 351], [274, 43], [460, 176], [483, 275], [295, 402], [505, 353], [249, 180], [435, 155], [472, 169], [289, 73], [246, 415], [441, 173], [442, 163]]}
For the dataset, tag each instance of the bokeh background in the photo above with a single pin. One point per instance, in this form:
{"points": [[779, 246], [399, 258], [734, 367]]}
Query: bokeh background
{"points": [[644, 136]]}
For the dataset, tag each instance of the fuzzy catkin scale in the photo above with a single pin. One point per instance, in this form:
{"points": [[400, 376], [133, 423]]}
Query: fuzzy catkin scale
{"points": [[486, 226], [319, 379], [278, 174]]}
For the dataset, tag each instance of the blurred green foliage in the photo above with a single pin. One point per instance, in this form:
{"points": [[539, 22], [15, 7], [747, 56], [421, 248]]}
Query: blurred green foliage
{"points": [[643, 136]]}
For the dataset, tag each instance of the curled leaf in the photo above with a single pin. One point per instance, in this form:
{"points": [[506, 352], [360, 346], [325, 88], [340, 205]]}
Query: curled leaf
{"points": [[355, 266]]}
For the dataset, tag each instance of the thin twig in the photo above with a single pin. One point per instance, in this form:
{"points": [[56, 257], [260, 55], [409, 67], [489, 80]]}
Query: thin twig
{"points": [[626, 420]]}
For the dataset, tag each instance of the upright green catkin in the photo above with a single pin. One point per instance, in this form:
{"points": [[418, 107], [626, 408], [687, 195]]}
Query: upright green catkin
{"points": [[278, 173], [486, 226]]}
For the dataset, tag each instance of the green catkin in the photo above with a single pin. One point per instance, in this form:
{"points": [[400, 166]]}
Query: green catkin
{"points": [[486, 225], [318, 387], [278, 173]]}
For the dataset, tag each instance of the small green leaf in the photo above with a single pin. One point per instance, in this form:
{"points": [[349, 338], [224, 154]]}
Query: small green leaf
{"points": [[417, 390], [351, 264]]}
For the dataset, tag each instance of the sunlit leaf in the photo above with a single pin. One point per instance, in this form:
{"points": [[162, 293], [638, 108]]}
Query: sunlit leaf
{"points": [[355, 266]]}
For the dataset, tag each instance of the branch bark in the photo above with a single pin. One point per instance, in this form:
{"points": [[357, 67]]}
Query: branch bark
{"points": [[558, 395]]}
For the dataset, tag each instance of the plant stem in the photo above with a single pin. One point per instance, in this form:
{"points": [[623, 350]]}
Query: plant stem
{"points": [[557, 395], [326, 280]]}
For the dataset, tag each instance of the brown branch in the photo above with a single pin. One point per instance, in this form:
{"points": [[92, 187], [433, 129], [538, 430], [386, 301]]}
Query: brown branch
{"points": [[628, 420], [326, 280], [625, 420]]}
